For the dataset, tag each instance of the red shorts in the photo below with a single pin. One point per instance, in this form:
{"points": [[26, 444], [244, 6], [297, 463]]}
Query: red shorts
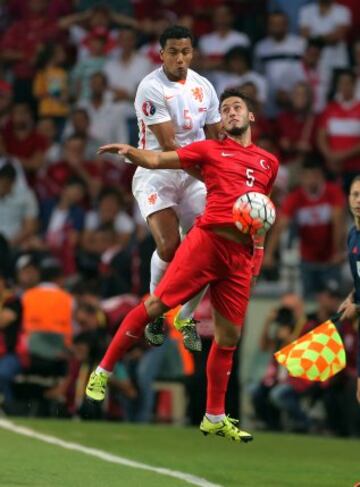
{"points": [[206, 258]]}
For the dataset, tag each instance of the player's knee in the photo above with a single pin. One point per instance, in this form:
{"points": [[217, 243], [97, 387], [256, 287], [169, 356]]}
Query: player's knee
{"points": [[167, 248], [228, 336], [154, 307]]}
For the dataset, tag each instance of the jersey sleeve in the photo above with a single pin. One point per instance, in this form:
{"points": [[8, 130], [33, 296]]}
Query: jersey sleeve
{"points": [[150, 103], [193, 154], [213, 113]]}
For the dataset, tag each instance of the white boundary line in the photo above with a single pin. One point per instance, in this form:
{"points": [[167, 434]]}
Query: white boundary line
{"points": [[103, 455]]}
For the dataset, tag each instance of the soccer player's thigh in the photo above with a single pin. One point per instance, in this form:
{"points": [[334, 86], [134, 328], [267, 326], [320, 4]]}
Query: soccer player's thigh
{"points": [[192, 202], [230, 298], [156, 194], [192, 268]]}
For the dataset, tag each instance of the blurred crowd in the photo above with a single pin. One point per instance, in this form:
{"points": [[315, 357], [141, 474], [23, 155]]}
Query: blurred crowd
{"points": [[69, 70]]}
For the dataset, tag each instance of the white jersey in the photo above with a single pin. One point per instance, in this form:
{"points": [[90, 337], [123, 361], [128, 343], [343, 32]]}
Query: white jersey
{"points": [[189, 105]]}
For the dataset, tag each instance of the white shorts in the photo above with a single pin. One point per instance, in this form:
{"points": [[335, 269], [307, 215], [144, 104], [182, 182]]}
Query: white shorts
{"points": [[155, 190]]}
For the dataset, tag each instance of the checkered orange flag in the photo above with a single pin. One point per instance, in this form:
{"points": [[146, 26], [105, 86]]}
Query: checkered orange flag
{"points": [[316, 356]]}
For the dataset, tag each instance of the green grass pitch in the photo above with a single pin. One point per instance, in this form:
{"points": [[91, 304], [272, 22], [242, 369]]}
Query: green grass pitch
{"points": [[271, 460]]}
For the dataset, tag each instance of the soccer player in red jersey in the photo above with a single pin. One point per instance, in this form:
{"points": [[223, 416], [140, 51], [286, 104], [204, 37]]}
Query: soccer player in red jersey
{"points": [[214, 253]]}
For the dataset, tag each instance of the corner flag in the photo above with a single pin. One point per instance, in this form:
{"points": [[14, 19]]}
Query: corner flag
{"points": [[316, 356]]}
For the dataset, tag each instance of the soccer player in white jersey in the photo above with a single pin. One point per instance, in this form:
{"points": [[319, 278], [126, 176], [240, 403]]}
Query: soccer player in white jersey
{"points": [[173, 106]]}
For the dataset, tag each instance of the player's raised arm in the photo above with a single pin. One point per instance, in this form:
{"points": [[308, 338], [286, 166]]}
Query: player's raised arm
{"points": [[144, 158]]}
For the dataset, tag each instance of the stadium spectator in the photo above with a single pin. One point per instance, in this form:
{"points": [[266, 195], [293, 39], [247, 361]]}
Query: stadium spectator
{"points": [[110, 210], [6, 96], [107, 118], [148, 11], [237, 64], [278, 393], [151, 49], [18, 209], [27, 273], [114, 262], [83, 26], [310, 71], [291, 9], [263, 126], [63, 220], [51, 87], [21, 43], [79, 125], [7, 159], [47, 325], [84, 69], [339, 131], [24, 142], [316, 207], [47, 128], [276, 55], [329, 22], [295, 130], [216, 44], [73, 164], [10, 328], [125, 73]]}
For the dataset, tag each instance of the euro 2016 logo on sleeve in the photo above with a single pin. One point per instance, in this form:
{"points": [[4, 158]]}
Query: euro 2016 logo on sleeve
{"points": [[148, 108]]}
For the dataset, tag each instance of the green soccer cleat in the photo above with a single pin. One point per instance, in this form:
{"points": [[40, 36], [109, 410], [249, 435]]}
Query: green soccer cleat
{"points": [[191, 338], [228, 428], [96, 386], [154, 332]]}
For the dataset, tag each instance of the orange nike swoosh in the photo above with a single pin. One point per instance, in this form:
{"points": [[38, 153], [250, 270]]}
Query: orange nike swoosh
{"points": [[169, 97]]}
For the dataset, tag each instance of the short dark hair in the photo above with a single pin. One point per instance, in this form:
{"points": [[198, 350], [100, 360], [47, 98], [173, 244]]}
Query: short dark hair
{"points": [[279, 13], [313, 162], [75, 181], [315, 42], [7, 171], [75, 136], [175, 32], [238, 52], [345, 72], [110, 191], [100, 74], [230, 92], [50, 269]]}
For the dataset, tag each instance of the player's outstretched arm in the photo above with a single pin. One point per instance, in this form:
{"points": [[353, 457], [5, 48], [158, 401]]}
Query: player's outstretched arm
{"points": [[144, 158]]}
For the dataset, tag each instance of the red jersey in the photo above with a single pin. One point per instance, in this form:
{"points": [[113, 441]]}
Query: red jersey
{"points": [[342, 124], [229, 170], [313, 216]]}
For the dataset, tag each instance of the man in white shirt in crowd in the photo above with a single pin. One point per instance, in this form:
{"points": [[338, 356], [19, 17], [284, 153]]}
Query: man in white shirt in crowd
{"points": [[107, 118], [213, 46], [276, 55], [125, 73], [237, 63], [18, 209], [330, 22]]}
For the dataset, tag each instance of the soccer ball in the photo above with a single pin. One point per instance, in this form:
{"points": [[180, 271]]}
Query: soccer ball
{"points": [[254, 213]]}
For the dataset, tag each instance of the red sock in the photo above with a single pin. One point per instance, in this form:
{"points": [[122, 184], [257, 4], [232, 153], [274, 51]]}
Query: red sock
{"points": [[128, 333], [218, 369]]}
